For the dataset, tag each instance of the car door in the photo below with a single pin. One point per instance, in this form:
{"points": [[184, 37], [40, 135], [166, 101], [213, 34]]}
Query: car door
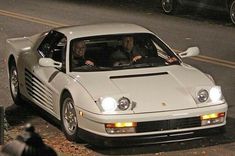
{"points": [[42, 82]]}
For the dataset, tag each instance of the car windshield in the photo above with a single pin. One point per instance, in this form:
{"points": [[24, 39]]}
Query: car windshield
{"points": [[117, 52]]}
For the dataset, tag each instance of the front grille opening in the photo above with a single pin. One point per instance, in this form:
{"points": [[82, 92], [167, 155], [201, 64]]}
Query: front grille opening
{"points": [[164, 125]]}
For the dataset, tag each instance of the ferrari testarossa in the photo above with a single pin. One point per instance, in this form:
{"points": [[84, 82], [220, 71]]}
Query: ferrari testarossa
{"points": [[155, 97]]}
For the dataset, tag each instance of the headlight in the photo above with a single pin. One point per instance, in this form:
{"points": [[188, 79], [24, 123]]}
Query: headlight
{"points": [[109, 104], [215, 94], [123, 103], [202, 95]]}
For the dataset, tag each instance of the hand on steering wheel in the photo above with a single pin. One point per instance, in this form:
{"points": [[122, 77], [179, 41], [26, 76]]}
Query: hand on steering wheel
{"points": [[136, 58], [171, 60], [89, 63]]}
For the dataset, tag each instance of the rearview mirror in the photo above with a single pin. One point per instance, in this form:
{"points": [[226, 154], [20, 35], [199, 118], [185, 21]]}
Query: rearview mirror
{"points": [[48, 62], [192, 51]]}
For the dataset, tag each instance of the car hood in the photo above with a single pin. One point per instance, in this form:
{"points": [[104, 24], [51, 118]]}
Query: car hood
{"points": [[152, 89]]}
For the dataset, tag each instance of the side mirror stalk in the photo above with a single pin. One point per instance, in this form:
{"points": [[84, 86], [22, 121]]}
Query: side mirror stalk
{"points": [[48, 62]]}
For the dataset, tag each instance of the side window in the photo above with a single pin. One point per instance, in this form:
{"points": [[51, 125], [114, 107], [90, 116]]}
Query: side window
{"points": [[53, 45], [145, 45], [161, 52], [58, 51]]}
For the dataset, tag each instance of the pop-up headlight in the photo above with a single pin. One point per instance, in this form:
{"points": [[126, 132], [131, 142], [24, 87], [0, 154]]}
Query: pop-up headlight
{"points": [[207, 94], [114, 104]]}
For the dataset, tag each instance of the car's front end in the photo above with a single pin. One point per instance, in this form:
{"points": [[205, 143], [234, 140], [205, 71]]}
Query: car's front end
{"points": [[151, 105], [155, 99], [149, 128]]}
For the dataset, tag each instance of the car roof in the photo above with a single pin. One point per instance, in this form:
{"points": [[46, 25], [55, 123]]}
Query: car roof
{"points": [[101, 29]]}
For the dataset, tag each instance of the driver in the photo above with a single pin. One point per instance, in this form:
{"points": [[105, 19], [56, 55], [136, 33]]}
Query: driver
{"points": [[128, 53], [78, 57]]}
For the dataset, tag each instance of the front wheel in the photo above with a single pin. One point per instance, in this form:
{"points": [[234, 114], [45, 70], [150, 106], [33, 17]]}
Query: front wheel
{"points": [[68, 118], [232, 11], [14, 84], [169, 6]]}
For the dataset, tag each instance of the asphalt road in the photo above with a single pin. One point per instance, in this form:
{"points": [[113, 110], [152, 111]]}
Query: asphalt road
{"points": [[210, 31]]}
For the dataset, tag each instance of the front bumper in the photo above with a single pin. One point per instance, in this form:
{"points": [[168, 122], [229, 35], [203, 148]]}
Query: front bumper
{"points": [[93, 126], [101, 141]]}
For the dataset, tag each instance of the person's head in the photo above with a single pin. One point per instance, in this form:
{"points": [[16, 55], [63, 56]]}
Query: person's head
{"points": [[79, 48], [128, 43]]}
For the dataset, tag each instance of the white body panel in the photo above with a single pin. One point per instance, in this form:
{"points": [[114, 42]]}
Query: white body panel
{"points": [[160, 93], [173, 88]]}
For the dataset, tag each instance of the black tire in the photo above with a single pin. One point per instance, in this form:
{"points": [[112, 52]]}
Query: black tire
{"points": [[232, 11], [14, 84], [170, 6], [68, 117]]}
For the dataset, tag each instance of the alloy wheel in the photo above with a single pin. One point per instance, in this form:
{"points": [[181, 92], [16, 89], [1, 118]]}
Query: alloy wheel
{"points": [[232, 12], [69, 116], [168, 6], [14, 82]]}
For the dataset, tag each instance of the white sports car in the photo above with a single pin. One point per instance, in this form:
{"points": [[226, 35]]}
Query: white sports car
{"points": [[154, 98]]}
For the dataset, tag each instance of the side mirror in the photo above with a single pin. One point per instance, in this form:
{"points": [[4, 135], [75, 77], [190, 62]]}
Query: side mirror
{"points": [[48, 62], [192, 51]]}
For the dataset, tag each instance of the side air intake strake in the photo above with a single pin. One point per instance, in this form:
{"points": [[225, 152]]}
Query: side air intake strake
{"points": [[37, 90]]}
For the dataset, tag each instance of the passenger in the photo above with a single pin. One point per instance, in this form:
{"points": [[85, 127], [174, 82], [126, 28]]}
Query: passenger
{"points": [[128, 53], [78, 57]]}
